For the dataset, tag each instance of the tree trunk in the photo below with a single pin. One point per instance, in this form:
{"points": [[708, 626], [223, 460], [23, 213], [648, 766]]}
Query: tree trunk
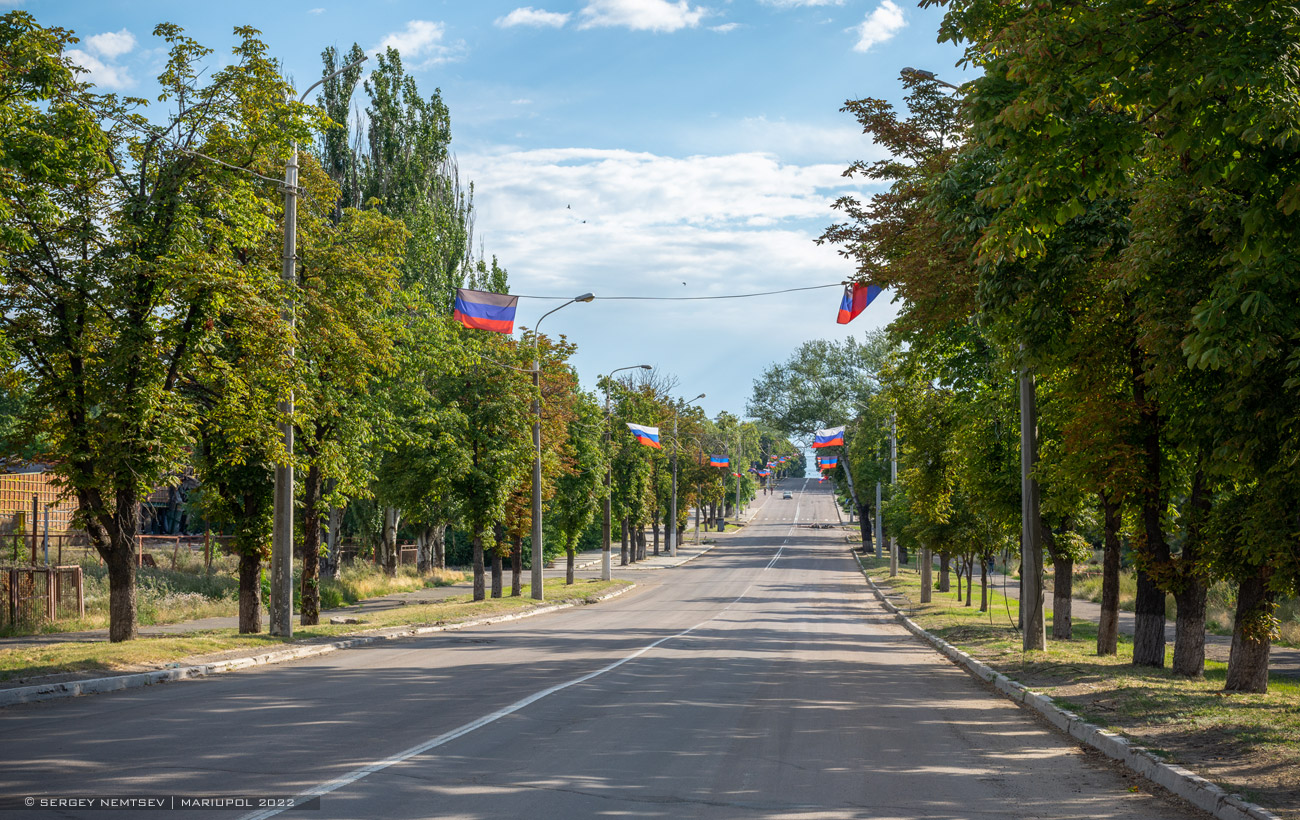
{"points": [[1190, 587], [622, 558], [517, 566], [496, 572], [1108, 627], [480, 584], [250, 593], [440, 546], [945, 574], [970, 578], [640, 543], [424, 550], [984, 582], [927, 570], [1149, 609], [654, 523], [312, 485], [864, 524], [329, 565], [121, 563], [568, 567], [1251, 636], [392, 518], [1062, 597]]}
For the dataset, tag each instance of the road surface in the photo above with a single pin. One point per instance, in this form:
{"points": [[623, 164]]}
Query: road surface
{"points": [[759, 681]]}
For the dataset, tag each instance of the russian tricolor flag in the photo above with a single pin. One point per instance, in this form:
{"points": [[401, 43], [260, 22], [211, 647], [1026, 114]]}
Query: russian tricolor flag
{"points": [[719, 461], [856, 298], [481, 310], [649, 436], [830, 437]]}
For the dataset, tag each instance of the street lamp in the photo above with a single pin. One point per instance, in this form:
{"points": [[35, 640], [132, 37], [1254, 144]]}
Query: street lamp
{"points": [[922, 74], [281, 608], [606, 571], [672, 506], [537, 448]]}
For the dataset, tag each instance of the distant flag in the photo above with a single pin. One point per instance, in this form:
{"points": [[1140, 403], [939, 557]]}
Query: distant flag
{"points": [[737, 475], [856, 298], [829, 462], [719, 461], [481, 310], [764, 472], [649, 436], [829, 437]]}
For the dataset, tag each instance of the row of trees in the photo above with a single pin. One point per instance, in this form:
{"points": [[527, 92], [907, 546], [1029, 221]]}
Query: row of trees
{"points": [[1106, 218], [141, 320]]}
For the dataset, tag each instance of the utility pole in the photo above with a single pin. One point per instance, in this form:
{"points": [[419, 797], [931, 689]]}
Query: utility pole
{"points": [[880, 530], [281, 609], [893, 479]]}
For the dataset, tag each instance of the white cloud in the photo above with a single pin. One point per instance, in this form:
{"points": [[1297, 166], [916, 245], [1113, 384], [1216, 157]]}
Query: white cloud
{"points": [[725, 27], [421, 44], [111, 44], [881, 25], [529, 16], [642, 15], [316, 11], [790, 4], [99, 59]]}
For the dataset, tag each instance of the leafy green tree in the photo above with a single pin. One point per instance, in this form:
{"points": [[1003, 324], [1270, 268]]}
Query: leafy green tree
{"points": [[120, 243], [580, 486]]}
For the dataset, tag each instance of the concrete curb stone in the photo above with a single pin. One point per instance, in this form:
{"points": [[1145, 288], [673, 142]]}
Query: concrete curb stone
{"points": [[116, 683], [1186, 784]]}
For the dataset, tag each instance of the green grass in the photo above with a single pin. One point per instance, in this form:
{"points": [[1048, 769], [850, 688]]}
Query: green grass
{"points": [[1251, 742], [73, 657]]}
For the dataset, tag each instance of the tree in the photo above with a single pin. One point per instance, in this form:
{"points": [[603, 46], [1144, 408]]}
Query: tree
{"points": [[580, 487], [120, 243]]}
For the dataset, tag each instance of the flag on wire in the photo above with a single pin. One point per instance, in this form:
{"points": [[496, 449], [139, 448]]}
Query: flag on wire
{"points": [[829, 462], [719, 461], [856, 298], [737, 475], [764, 472], [481, 310], [830, 437], [649, 436]]}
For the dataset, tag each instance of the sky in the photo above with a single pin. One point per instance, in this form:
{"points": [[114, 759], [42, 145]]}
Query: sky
{"points": [[619, 147]]}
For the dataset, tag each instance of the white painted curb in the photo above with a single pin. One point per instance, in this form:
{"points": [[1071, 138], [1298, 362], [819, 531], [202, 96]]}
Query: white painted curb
{"points": [[96, 686], [1190, 786]]}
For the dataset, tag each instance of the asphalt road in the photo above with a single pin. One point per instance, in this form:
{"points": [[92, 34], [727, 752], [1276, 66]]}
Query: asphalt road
{"points": [[759, 681]]}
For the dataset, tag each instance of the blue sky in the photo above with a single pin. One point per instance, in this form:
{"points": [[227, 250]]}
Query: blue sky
{"points": [[622, 147]]}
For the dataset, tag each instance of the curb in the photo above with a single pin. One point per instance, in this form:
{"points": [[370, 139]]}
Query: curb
{"points": [[671, 566], [1186, 784], [115, 683]]}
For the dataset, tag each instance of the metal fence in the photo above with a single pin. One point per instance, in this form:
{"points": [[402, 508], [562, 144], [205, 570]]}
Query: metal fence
{"points": [[34, 595]]}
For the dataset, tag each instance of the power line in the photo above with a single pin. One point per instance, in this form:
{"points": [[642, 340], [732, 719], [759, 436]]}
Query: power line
{"points": [[689, 298]]}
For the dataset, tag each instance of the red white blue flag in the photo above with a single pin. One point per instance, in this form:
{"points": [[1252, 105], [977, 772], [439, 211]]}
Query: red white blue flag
{"points": [[481, 310], [856, 298], [830, 437], [719, 461], [649, 436]]}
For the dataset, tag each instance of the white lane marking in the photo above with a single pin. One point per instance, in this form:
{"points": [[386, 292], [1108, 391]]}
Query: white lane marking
{"points": [[447, 737]]}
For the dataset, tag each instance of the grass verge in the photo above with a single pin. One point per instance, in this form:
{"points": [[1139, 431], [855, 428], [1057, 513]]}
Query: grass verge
{"points": [[149, 653], [1248, 744]]}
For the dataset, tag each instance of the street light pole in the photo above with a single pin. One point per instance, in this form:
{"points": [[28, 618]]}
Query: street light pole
{"points": [[672, 505], [606, 570], [537, 593], [281, 608]]}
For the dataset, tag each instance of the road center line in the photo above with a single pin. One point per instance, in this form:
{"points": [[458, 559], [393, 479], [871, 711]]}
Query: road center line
{"points": [[447, 737]]}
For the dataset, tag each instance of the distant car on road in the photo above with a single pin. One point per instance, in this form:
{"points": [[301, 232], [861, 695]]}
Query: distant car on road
{"points": [[787, 494]]}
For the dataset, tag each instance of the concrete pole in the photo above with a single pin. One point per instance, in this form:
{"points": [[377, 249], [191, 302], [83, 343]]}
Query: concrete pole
{"points": [[893, 479], [1034, 625], [880, 529], [606, 568], [280, 614], [672, 504]]}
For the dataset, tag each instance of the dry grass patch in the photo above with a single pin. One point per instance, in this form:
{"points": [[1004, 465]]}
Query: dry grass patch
{"points": [[81, 659]]}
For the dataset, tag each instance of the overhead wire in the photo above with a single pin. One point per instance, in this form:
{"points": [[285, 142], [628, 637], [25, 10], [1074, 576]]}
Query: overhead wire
{"points": [[689, 298]]}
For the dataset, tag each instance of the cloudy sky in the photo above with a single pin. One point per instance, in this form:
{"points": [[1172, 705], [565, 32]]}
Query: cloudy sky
{"points": [[622, 147]]}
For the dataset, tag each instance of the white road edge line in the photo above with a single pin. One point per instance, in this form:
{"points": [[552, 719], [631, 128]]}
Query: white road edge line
{"points": [[447, 737]]}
